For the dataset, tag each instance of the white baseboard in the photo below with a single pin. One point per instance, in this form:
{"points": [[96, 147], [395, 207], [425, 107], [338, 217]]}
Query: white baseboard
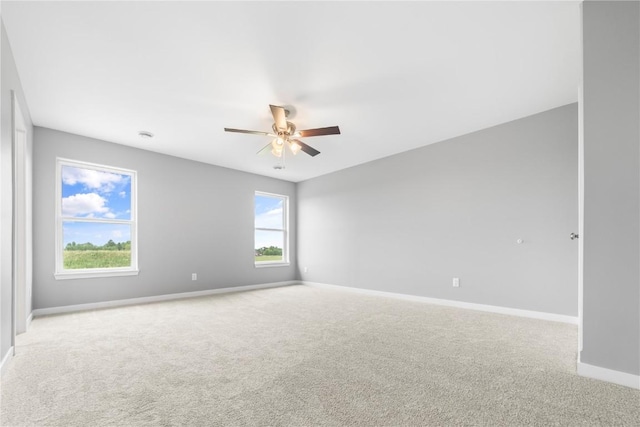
{"points": [[604, 374], [6, 361], [459, 304], [144, 300]]}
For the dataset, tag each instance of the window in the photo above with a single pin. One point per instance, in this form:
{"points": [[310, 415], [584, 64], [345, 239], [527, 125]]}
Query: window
{"points": [[271, 223], [95, 221]]}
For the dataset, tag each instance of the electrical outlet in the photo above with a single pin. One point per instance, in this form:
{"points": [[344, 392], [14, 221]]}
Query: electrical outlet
{"points": [[456, 282], [194, 276], [306, 269]]}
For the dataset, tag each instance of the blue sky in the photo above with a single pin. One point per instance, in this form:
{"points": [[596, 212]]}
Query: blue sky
{"points": [[88, 193], [268, 214]]}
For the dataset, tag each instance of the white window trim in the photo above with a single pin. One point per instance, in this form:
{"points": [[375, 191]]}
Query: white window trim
{"points": [[285, 231], [60, 272]]}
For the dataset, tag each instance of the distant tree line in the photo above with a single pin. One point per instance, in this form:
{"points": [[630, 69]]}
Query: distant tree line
{"points": [[109, 246], [271, 250]]}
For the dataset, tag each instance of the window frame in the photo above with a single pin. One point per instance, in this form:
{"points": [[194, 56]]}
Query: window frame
{"points": [[285, 230], [86, 273]]}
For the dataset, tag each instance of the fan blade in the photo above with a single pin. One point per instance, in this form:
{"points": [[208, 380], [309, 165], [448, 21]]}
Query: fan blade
{"points": [[332, 130], [279, 117], [264, 149], [306, 148], [253, 132]]}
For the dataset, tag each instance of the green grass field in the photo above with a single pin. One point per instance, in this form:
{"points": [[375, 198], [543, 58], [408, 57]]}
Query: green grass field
{"points": [[96, 259], [268, 258]]}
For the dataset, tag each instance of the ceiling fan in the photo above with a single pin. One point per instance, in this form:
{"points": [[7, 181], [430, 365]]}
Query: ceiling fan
{"points": [[286, 134]]}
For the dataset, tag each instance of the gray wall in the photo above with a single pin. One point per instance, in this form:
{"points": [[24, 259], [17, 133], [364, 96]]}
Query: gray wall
{"points": [[611, 308], [10, 81], [192, 218], [411, 222]]}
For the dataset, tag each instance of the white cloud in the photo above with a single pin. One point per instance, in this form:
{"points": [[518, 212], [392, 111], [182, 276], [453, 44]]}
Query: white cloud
{"points": [[103, 182], [122, 194], [110, 215], [116, 234], [84, 204]]}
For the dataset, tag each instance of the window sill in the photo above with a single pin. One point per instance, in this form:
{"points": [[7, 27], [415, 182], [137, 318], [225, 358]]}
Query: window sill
{"points": [[84, 274], [271, 264]]}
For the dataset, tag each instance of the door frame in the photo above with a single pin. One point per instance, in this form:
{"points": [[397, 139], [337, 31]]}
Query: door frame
{"points": [[21, 219], [580, 189]]}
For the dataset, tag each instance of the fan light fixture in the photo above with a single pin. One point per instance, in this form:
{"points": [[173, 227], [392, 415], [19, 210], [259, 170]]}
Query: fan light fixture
{"points": [[285, 133], [277, 145], [295, 147]]}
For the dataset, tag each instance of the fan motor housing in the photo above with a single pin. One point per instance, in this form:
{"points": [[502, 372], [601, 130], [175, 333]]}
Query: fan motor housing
{"points": [[291, 129]]}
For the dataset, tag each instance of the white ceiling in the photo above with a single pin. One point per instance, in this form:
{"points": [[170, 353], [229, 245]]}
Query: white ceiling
{"points": [[393, 75]]}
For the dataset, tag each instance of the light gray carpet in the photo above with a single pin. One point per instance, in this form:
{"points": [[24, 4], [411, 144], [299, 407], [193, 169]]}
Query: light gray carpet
{"points": [[303, 356]]}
